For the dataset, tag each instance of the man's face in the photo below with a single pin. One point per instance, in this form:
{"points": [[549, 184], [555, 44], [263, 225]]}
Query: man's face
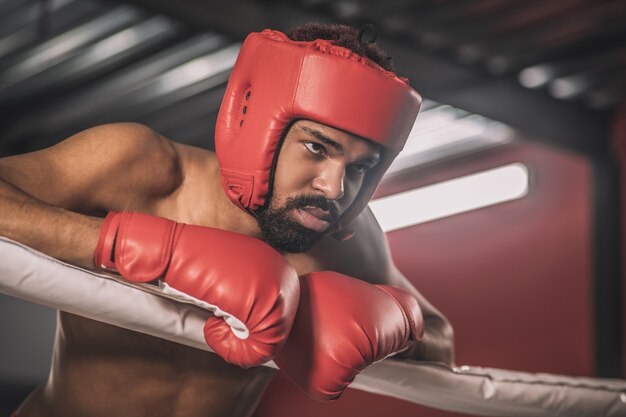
{"points": [[319, 173]]}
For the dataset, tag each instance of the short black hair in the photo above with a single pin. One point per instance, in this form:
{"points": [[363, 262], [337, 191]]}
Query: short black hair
{"points": [[345, 36]]}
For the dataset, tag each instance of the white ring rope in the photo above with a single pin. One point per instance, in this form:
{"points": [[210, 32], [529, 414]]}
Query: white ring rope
{"points": [[33, 276]]}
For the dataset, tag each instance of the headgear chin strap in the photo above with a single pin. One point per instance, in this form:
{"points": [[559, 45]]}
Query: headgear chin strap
{"points": [[276, 81]]}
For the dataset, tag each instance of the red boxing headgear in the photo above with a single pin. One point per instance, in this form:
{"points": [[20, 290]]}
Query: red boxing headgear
{"points": [[276, 81]]}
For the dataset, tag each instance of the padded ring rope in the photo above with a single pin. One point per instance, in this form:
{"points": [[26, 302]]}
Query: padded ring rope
{"points": [[33, 276]]}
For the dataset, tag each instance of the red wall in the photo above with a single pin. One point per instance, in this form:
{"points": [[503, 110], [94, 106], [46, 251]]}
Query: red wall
{"points": [[514, 279]]}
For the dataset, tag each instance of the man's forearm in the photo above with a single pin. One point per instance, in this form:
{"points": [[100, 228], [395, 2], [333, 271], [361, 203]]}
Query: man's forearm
{"points": [[437, 344], [57, 232]]}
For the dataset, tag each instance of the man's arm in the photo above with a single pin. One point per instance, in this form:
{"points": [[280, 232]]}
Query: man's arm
{"points": [[51, 199], [438, 342], [60, 233], [367, 256]]}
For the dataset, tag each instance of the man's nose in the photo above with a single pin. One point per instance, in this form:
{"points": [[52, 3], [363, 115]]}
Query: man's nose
{"points": [[331, 182]]}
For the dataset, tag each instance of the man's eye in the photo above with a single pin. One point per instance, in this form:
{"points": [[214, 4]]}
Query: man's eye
{"points": [[360, 169], [315, 148]]}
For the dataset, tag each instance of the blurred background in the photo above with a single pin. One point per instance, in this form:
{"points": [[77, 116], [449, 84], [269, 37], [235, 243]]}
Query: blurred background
{"points": [[523, 94]]}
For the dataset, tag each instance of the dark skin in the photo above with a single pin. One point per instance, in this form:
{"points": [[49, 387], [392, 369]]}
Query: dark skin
{"points": [[54, 200]]}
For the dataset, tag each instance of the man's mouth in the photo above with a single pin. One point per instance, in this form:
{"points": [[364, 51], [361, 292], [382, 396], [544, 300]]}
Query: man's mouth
{"points": [[314, 218]]}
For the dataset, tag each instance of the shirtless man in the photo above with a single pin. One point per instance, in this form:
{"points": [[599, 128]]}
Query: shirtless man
{"points": [[54, 200]]}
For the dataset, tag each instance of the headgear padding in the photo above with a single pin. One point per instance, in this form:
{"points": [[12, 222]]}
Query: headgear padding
{"points": [[276, 81]]}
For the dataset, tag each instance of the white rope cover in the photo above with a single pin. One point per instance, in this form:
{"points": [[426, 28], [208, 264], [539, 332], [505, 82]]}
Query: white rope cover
{"points": [[33, 276]]}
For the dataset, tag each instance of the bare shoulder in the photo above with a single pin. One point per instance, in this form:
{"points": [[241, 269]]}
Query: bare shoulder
{"points": [[119, 144], [98, 167], [365, 256]]}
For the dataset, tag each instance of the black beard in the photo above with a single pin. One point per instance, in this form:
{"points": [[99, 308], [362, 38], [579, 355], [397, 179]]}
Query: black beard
{"points": [[283, 233]]}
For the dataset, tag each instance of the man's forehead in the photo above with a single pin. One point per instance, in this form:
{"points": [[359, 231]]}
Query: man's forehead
{"points": [[341, 137]]}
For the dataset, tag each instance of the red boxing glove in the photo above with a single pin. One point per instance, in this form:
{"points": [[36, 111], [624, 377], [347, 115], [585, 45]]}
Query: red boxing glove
{"points": [[343, 325], [250, 287]]}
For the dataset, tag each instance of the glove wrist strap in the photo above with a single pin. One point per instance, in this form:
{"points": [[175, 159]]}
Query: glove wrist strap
{"points": [[104, 258]]}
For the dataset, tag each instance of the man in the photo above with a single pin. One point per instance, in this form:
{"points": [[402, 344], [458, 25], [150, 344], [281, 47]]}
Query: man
{"points": [[302, 190]]}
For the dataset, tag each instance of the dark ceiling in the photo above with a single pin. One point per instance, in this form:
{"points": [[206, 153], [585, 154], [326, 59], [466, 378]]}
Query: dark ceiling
{"points": [[553, 69]]}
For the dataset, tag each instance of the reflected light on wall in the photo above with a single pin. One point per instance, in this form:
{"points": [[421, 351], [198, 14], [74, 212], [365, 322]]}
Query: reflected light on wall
{"points": [[451, 197]]}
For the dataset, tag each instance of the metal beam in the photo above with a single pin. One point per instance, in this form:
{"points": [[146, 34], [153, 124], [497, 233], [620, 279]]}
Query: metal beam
{"points": [[607, 283]]}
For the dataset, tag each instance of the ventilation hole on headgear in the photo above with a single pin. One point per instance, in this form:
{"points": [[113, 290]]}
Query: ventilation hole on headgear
{"points": [[245, 109], [240, 123], [247, 95]]}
